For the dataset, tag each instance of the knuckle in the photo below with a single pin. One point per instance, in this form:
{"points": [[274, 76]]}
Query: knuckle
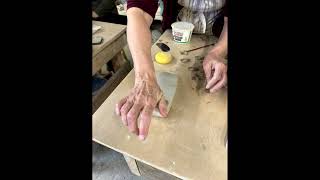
{"points": [[151, 105], [123, 110], [162, 104], [139, 100], [216, 77], [144, 117], [132, 130], [151, 102], [204, 63], [129, 117], [129, 101], [220, 66]]}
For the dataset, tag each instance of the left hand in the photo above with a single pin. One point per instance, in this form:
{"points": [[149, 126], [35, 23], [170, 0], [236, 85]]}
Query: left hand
{"points": [[216, 71]]}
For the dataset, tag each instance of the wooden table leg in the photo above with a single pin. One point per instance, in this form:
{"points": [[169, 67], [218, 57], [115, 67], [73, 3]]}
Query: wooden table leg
{"points": [[132, 165], [118, 61], [103, 93]]}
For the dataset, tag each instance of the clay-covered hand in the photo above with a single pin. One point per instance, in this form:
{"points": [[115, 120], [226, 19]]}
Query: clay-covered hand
{"points": [[141, 102], [216, 71]]}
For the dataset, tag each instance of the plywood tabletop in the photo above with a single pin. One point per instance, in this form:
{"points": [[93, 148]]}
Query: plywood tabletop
{"points": [[190, 142], [109, 32]]}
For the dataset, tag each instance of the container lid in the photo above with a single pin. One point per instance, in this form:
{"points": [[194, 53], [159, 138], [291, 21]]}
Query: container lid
{"points": [[182, 25]]}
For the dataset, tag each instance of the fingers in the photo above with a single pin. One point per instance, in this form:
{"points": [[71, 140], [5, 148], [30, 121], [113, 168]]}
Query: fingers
{"points": [[124, 110], [216, 77], [207, 68], [132, 117], [220, 84], [145, 119], [119, 105], [163, 107]]}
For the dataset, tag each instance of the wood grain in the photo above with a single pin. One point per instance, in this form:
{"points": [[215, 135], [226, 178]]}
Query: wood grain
{"points": [[189, 144]]}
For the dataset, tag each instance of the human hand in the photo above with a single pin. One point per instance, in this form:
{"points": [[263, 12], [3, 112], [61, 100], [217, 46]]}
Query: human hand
{"points": [[141, 101], [216, 71]]}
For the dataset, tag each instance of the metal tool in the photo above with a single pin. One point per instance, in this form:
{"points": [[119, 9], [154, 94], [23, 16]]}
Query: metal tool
{"points": [[186, 52]]}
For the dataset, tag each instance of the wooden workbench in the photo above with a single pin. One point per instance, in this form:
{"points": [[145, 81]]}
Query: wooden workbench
{"points": [[114, 40], [190, 143]]}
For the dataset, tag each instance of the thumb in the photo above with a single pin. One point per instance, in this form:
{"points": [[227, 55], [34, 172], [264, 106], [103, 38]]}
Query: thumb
{"points": [[163, 107]]}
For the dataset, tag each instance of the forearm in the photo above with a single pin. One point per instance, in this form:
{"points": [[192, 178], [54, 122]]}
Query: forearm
{"points": [[221, 47], [139, 40]]}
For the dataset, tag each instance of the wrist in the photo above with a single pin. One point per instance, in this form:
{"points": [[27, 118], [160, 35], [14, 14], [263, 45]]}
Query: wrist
{"points": [[219, 51], [144, 68], [148, 75], [217, 56]]}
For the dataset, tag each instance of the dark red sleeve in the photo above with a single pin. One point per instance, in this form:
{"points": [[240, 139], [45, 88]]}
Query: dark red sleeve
{"points": [[225, 9], [148, 6]]}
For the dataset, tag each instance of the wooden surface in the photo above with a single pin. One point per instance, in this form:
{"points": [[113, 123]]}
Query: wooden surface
{"points": [[114, 39], [132, 165], [189, 144], [151, 173], [109, 32]]}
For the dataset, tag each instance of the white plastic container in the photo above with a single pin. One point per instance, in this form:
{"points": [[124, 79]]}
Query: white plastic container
{"points": [[182, 31]]}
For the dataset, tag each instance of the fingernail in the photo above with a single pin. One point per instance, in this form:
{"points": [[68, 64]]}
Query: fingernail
{"points": [[207, 86], [141, 137]]}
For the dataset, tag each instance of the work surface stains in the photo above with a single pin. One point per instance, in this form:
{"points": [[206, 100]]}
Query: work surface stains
{"points": [[203, 146], [185, 60], [198, 75], [172, 166], [183, 52]]}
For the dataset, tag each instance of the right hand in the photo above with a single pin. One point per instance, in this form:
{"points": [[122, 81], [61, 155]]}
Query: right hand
{"points": [[142, 100]]}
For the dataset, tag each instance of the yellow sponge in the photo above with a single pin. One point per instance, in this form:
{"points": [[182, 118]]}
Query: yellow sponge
{"points": [[163, 57]]}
